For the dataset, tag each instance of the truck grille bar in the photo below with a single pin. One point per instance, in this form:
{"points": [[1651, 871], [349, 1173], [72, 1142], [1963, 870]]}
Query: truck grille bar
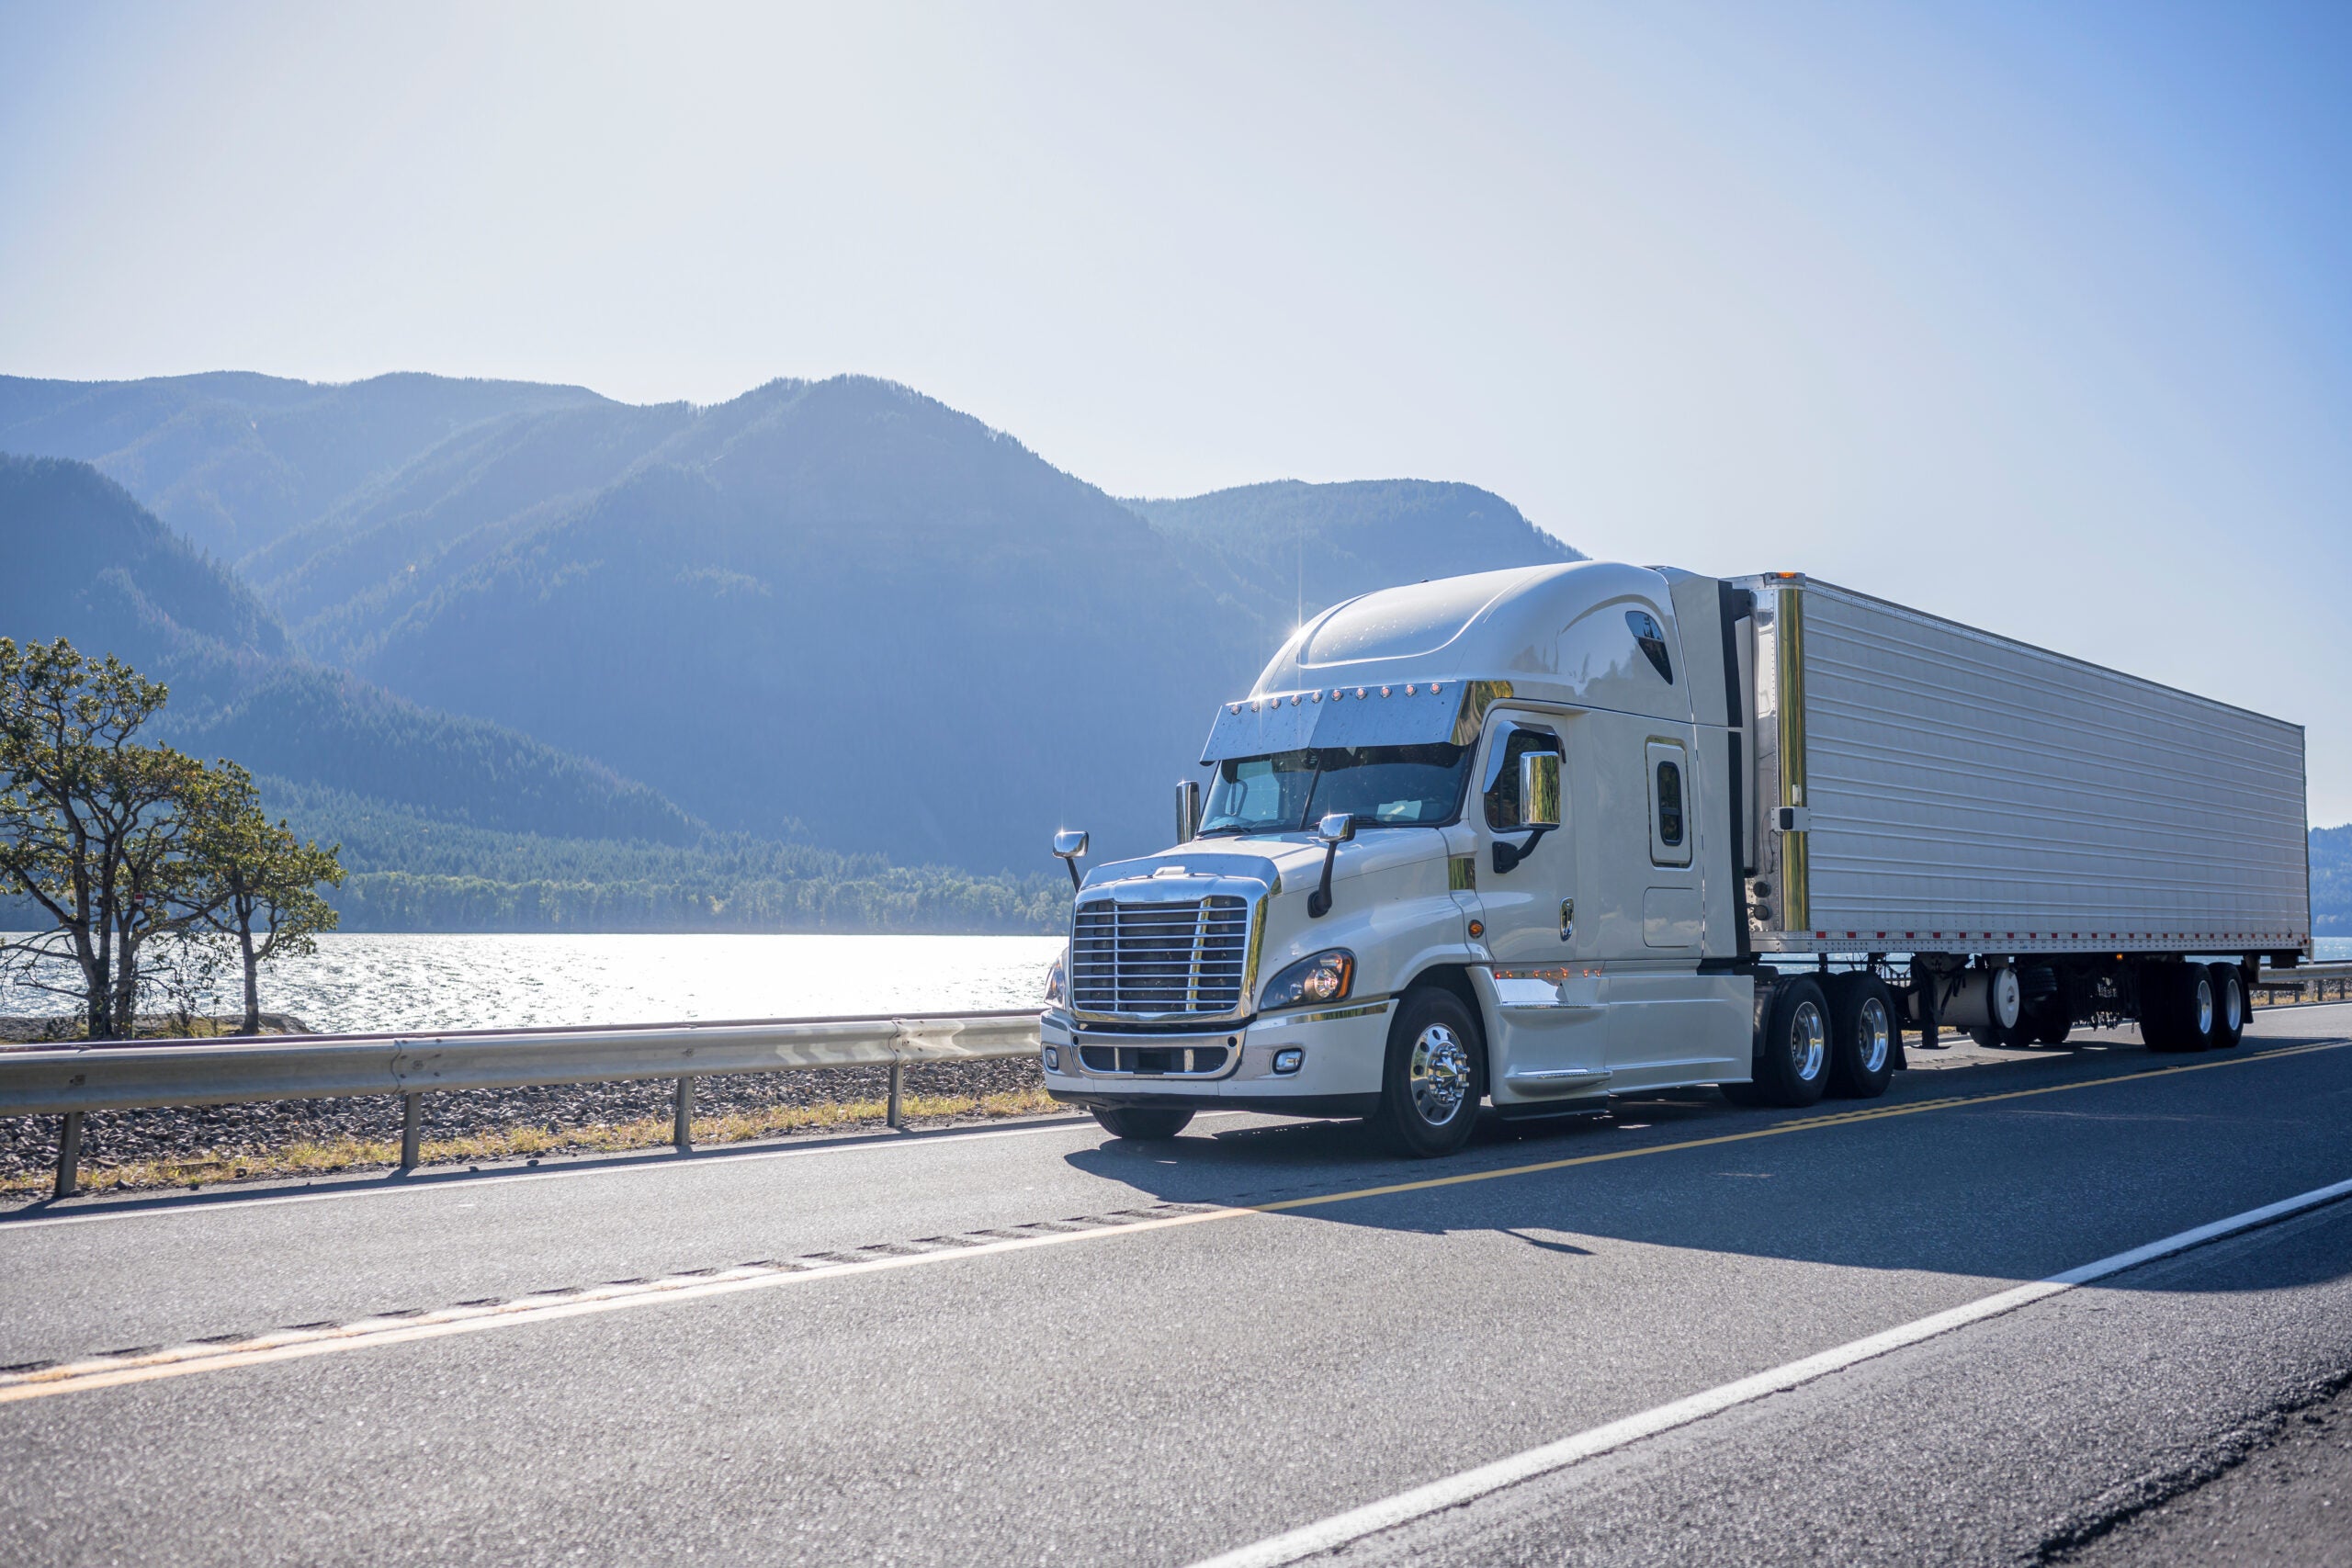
{"points": [[1160, 959]]}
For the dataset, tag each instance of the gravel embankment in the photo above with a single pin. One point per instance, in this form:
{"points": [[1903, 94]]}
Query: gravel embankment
{"points": [[29, 1144]]}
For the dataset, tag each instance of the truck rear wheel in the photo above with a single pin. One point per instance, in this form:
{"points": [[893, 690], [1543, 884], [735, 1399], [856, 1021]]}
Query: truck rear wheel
{"points": [[2228, 1005], [1436, 1075], [2177, 1007], [1145, 1124], [1792, 1060], [1861, 1036]]}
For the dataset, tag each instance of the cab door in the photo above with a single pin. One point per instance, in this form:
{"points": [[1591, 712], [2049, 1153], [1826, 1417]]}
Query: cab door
{"points": [[1670, 1023], [1548, 1022]]}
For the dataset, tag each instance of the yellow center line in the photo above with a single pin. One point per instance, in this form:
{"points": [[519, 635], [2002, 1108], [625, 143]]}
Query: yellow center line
{"points": [[370, 1333], [1805, 1124]]}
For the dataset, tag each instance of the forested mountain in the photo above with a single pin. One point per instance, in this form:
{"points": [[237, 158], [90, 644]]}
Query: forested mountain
{"points": [[87, 562], [1272, 547], [841, 603]]}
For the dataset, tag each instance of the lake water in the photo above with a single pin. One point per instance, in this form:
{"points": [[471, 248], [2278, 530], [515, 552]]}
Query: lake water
{"points": [[365, 983]]}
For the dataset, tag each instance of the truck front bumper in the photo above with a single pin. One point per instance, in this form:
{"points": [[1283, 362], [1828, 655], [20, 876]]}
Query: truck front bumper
{"points": [[1341, 1051]]}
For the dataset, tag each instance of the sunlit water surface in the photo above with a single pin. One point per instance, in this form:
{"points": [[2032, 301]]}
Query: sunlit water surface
{"points": [[359, 983], [363, 983]]}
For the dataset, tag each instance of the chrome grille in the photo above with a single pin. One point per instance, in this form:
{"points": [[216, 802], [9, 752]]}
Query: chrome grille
{"points": [[1178, 959]]}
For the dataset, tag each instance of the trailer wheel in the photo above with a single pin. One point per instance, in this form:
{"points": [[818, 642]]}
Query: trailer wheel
{"points": [[1861, 1036], [1435, 1078], [2228, 1005], [1793, 1061], [2050, 1026], [2177, 1007], [1144, 1123]]}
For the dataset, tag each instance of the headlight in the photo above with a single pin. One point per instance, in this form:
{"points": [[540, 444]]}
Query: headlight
{"points": [[1324, 977], [1058, 983]]}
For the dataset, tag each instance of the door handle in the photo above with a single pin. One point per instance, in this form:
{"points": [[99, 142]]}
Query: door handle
{"points": [[1568, 920]]}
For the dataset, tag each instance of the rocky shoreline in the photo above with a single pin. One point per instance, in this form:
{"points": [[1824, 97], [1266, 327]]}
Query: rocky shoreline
{"points": [[571, 1116]]}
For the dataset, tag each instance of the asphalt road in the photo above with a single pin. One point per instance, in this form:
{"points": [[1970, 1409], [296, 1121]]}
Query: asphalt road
{"points": [[1038, 1344]]}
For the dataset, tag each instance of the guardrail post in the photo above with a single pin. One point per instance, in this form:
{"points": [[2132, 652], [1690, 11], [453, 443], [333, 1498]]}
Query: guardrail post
{"points": [[896, 1116], [69, 1154], [411, 1128], [682, 1132]]}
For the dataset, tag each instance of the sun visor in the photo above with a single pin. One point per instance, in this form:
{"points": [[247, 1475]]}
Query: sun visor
{"points": [[1416, 714]]}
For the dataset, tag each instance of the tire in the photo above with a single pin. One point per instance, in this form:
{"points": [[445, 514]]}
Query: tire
{"points": [[2050, 1026], [2228, 1005], [2176, 1007], [1792, 1059], [1435, 1076], [1861, 1036], [2156, 1008], [1144, 1123]]}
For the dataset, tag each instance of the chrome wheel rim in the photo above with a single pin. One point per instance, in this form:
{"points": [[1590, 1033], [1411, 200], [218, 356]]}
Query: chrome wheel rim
{"points": [[1808, 1041], [1874, 1034], [2204, 1007], [1439, 1076], [2232, 1005]]}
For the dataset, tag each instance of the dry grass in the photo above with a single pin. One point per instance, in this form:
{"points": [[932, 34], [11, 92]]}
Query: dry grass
{"points": [[523, 1143]]}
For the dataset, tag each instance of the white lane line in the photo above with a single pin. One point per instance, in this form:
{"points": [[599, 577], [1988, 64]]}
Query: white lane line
{"points": [[1344, 1529], [287, 1345], [457, 1182]]}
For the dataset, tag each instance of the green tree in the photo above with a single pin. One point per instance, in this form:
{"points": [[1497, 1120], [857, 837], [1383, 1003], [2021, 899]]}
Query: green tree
{"points": [[94, 827], [257, 885]]}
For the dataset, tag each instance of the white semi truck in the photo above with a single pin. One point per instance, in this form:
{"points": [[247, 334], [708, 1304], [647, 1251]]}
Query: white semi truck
{"points": [[1540, 835]]}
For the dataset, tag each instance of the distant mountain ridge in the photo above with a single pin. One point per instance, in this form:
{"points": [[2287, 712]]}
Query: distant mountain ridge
{"points": [[1264, 545], [233, 459], [837, 603]]}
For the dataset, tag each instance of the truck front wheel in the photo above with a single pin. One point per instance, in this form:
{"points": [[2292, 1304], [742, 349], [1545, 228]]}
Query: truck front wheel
{"points": [[1792, 1061], [1143, 1122], [1436, 1075]]}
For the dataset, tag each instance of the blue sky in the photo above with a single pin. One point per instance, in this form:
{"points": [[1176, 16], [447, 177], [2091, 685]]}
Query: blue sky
{"points": [[2035, 316]]}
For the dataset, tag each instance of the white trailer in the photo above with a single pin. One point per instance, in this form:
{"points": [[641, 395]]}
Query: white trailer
{"points": [[1537, 837]]}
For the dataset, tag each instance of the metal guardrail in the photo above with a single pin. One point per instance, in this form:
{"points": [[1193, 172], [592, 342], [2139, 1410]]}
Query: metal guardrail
{"points": [[72, 1080], [2318, 982]]}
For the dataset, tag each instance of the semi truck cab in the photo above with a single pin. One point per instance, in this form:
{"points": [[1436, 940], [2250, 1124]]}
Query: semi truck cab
{"points": [[1462, 840]]}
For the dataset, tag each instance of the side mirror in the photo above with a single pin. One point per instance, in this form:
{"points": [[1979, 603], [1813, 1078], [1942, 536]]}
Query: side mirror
{"points": [[1539, 789], [1334, 830], [1539, 806], [1188, 810], [1068, 844]]}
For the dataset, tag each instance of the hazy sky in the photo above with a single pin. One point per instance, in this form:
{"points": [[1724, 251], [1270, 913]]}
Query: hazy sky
{"points": [[2035, 316]]}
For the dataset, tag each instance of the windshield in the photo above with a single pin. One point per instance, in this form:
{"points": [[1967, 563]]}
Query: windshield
{"points": [[1380, 786]]}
